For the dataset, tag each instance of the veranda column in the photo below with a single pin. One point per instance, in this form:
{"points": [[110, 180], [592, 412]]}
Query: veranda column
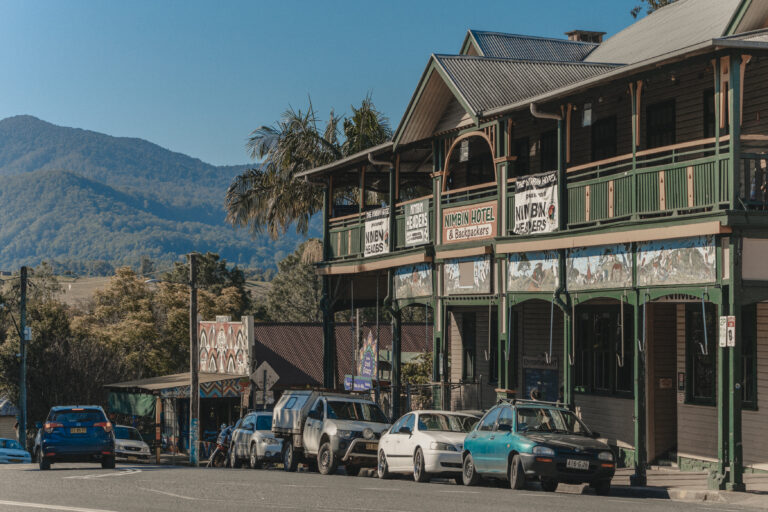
{"points": [[639, 478], [329, 338]]}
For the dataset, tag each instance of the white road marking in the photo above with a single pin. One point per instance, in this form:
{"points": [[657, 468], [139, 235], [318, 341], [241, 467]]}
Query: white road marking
{"points": [[24, 504], [172, 495], [463, 492], [123, 472]]}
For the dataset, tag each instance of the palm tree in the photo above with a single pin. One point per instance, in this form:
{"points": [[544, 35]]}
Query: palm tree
{"points": [[267, 196]]}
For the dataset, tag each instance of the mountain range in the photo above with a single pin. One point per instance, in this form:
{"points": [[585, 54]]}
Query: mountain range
{"points": [[79, 197]]}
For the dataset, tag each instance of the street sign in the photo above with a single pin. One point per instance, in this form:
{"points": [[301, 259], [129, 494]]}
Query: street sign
{"points": [[259, 380], [723, 332], [731, 331]]}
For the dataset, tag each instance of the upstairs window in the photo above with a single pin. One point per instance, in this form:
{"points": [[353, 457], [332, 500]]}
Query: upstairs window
{"points": [[604, 139], [660, 124], [470, 163]]}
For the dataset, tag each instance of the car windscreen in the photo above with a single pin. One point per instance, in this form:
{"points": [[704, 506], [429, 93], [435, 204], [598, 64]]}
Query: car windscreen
{"points": [[263, 422], [10, 444], [77, 416], [446, 422], [127, 433], [358, 411], [542, 419]]}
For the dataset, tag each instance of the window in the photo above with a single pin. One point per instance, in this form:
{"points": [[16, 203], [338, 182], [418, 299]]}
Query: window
{"points": [[600, 367], [468, 333], [318, 408], [701, 353], [708, 107], [263, 422], [398, 425], [511, 358], [410, 422], [506, 417], [749, 356], [660, 124], [486, 424], [604, 138], [522, 149], [549, 151]]}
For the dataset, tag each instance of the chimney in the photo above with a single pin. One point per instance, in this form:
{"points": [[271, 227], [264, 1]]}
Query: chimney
{"points": [[585, 36]]}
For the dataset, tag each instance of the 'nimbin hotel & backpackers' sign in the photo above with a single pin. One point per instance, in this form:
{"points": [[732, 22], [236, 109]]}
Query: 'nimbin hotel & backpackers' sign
{"points": [[472, 222]]}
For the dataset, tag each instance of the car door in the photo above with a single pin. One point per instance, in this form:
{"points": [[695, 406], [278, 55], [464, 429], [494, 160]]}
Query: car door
{"points": [[241, 436], [481, 437], [500, 441], [313, 428], [389, 441]]}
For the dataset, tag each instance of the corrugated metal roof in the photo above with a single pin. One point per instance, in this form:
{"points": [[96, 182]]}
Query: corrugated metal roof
{"points": [[520, 47], [491, 83], [350, 160], [678, 25], [758, 36]]}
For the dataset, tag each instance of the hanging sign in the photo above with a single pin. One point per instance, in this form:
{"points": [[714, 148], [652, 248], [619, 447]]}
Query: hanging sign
{"points": [[473, 222], [536, 208], [367, 365], [376, 232], [417, 223]]}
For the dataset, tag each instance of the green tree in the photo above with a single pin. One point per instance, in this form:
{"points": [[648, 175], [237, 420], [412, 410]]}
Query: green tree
{"points": [[267, 196], [296, 290], [650, 6], [418, 370]]}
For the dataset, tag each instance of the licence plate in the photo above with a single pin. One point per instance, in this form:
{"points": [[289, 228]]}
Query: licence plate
{"points": [[371, 446], [78, 430], [577, 464], [132, 458]]}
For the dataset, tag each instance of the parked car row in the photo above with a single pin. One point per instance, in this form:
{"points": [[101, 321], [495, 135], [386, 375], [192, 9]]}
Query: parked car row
{"points": [[518, 441]]}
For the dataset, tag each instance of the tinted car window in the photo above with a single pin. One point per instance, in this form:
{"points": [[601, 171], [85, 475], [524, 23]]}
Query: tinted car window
{"points": [[263, 422], [355, 411], [445, 422], [127, 433], [541, 419], [487, 422], [82, 416]]}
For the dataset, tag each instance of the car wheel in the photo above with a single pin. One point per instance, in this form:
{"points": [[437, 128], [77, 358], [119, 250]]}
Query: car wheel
{"points": [[234, 461], [419, 473], [516, 473], [352, 469], [326, 460], [108, 462], [45, 464], [289, 457], [602, 488], [253, 459], [469, 474], [549, 485], [382, 469]]}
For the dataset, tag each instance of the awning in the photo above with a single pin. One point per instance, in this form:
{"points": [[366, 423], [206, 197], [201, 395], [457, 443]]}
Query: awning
{"points": [[212, 385]]}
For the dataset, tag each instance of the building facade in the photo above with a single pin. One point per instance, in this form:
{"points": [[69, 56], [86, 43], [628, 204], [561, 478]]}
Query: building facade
{"points": [[586, 219]]}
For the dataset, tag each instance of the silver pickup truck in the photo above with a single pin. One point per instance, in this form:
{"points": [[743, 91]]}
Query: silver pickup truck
{"points": [[326, 430]]}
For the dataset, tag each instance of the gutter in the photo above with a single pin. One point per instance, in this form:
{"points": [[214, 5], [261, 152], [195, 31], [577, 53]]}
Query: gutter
{"points": [[535, 112]]}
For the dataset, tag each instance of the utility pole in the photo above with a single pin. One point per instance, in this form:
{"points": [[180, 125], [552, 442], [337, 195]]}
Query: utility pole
{"points": [[23, 338], [194, 363]]}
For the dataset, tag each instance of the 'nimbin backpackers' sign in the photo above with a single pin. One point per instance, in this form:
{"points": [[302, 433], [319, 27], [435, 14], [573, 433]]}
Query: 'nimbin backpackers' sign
{"points": [[376, 232], [536, 204], [466, 223]]}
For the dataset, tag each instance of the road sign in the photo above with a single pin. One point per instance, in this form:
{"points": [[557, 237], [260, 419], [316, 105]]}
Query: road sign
{"points": [[262, 380], [731, 331]]}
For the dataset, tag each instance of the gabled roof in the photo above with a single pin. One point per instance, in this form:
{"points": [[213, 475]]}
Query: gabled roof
{"points": [[7, 408], [678, 25], [522, 47]]}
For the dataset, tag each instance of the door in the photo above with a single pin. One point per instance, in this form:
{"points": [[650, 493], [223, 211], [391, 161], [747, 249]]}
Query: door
{"points": [[403, 456], [314, 426], [500, 441], [661, 382], [481, 439], [241, 437]]}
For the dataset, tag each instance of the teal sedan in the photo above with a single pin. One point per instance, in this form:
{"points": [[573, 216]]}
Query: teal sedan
{"points": [[527, 441]]}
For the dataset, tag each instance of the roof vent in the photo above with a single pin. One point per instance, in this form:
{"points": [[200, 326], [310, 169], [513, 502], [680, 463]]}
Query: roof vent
{"points": [[585, 36]]}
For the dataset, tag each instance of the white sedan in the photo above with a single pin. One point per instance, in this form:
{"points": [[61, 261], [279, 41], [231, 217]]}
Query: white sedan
{"points": [[12, 452], [129, 445], [425, 443]]}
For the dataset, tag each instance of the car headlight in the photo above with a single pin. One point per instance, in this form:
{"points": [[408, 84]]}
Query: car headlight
{"points": [[544, 451], [605, 456], [442, 447], [368, 433], [347, 434]]}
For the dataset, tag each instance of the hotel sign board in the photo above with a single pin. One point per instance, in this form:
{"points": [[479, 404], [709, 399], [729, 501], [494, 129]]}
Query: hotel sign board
{"points": [[469, 222], [417, 223]]}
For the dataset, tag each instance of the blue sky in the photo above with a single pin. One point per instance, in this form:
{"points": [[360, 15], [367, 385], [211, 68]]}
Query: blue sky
{"points": [[197, 77]]}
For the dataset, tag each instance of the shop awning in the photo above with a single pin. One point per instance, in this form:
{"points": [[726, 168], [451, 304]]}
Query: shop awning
{"points": [[212, 385]]}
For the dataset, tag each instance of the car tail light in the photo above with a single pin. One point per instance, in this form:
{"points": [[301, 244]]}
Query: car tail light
{"points": [[107, 426], [49, 426]]}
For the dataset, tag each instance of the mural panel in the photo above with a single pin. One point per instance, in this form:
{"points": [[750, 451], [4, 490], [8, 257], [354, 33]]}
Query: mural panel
{"points": [[532, 272], [413, 281], [594, 268], [467, 275], [225, 346], [679, 261]]}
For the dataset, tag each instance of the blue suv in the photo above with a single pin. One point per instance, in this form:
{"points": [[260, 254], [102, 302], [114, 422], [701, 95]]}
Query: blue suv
{"points": [[75, 434], [530, 440]]}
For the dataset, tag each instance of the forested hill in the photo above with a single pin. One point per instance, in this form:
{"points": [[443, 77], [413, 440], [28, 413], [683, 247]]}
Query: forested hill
{"points": [[70, 195]]}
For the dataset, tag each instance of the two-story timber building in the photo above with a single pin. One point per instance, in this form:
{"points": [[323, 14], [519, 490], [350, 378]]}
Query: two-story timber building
{"points": [[585, 218]]}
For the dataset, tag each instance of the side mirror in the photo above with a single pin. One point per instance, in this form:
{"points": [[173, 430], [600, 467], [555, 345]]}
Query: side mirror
{"points": [[38, 425], [404, 430], [504, 427]]}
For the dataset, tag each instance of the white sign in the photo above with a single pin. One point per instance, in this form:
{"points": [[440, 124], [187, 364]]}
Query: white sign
{"points": [[417, 223], [257, 377], [376, 232], [731, 331], [723, 332], [536, 208]]}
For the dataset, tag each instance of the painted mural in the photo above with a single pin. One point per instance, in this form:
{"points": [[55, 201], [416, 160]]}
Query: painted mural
{"points": [[532, 272], [413, 281], [607, 266], [679, 261], [467, 275], [225, 346]]}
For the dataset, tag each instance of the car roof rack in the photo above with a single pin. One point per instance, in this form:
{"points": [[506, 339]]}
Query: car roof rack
{"points": [[515, 401]]}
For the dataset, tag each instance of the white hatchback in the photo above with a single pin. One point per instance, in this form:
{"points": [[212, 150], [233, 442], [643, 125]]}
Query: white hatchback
{"points": [[425, 443]]}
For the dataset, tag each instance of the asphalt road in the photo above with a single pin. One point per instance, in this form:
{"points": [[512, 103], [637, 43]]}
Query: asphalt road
{"points": [[88, 488]]}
